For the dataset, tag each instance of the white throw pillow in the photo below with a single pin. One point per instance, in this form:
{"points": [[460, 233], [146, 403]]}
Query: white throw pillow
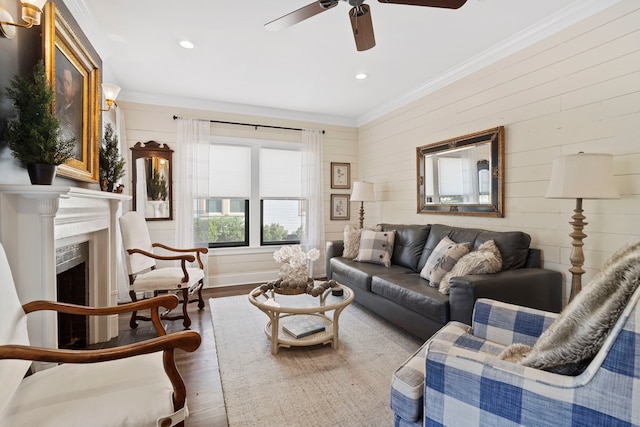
{"points": [[484, 260], [438, 252]]}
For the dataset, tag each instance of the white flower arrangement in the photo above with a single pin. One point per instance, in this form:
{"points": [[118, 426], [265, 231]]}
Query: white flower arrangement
{"points": [[294, 268]]}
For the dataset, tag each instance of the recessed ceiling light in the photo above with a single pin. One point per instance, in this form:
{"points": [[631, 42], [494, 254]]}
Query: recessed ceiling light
{"points": [[187, 44], [361, 76]]}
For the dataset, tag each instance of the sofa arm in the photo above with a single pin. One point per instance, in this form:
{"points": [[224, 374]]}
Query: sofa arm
{"points": [[333, 248], [530, 287], [506, 324]]}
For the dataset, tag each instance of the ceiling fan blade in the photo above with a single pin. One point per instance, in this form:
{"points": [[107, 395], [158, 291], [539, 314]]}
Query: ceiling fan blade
{"points": [[300, 15], [448, 4], [362, 27]]}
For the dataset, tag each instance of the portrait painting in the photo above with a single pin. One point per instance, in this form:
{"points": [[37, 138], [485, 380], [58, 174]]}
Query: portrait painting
{"points": [[69, 100], [73, 72]]}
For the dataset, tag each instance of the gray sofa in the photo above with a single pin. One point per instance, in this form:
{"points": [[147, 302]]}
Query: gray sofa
{"points": [[400, 295]]}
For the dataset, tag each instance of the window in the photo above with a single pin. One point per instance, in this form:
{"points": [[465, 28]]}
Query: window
{"points": [[255, 195]]}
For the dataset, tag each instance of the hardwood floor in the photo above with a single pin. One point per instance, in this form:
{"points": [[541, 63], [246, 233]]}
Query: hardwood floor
{"points": [[200, 368]]}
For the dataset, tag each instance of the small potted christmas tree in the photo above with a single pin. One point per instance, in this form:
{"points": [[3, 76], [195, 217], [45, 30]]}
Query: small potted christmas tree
{"points": [[35, 137], [157, 187], [111, 162]]}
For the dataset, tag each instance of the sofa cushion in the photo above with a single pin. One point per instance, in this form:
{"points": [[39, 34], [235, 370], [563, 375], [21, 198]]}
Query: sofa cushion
{"points": [[484, 260], [376, 247], [408, 245], [358, 274], [413, 293], [513, 245]]}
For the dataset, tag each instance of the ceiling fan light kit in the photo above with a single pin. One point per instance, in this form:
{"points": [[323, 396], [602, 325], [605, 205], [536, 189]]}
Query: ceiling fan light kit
{"points": [[359, 15]]}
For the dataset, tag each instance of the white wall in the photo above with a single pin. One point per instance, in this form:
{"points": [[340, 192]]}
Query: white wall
{"points": [[233, 266], [576, 91]]}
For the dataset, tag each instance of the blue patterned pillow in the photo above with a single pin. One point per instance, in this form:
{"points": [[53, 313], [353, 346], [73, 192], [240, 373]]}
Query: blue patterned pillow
{"points": [[376, 247]]}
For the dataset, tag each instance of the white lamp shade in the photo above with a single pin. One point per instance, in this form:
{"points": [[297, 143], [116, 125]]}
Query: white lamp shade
{"points": [[582, 176], [111, 91], [362, 192]]}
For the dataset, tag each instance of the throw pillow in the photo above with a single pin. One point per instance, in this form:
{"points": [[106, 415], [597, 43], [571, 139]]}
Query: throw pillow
{"points": [[575, 337], [484, 260], [447, 262], [438, 252], [376, 247], [351, 240]]}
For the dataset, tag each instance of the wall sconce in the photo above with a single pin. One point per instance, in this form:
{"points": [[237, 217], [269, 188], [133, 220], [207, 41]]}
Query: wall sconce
{"points": [[111, 92], [31, 11]]}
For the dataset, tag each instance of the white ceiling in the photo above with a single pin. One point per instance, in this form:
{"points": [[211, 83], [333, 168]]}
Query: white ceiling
{"points": [[308, 69]]}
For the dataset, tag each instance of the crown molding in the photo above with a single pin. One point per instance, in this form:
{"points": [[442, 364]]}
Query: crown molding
{"points": [[233, 108], [570, 15]]}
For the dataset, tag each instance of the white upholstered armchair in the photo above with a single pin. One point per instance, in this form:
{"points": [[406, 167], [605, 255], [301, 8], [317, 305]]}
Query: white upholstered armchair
{"points": [[145, 277], [132, 385]]}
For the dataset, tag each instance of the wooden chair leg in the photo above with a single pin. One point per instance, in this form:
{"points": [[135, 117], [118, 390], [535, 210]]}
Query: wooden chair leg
{"points": [[185, 301], [133, 323], [200, 300]]}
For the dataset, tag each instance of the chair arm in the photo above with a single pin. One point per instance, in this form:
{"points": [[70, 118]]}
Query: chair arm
{"points": [[184, 340], [189, 258], [506, 324], [197, 251], [166, 301]]}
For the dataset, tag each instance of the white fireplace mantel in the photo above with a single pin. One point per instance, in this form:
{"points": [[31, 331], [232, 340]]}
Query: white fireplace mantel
{"points": [[35, 220]]}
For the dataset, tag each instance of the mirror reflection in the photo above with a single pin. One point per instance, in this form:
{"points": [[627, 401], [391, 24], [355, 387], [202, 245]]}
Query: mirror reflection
{"points": [[152, 180], [462, 175]]}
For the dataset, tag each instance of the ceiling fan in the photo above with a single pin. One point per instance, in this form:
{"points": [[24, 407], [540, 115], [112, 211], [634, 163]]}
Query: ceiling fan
{"points": [[359, 15]]}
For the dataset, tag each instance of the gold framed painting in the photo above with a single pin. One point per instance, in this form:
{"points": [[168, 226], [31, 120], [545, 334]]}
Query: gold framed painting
{"points": [[75, 78]]}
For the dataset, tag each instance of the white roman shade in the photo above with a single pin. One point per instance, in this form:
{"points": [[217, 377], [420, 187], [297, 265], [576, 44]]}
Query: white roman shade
{"points": [[280, 174], [230, 171]]}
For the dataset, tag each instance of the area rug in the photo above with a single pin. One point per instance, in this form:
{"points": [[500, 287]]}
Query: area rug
{"points": [[306, 386]]}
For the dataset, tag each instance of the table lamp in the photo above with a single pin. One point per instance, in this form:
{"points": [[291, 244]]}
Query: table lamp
{"points": [[581, 176], [362, 192]]}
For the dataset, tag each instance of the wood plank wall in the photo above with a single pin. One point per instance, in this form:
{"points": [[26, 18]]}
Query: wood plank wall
{"points": [[576, 91]]}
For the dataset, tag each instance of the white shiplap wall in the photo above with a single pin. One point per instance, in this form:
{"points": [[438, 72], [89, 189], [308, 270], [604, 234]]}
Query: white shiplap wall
{"points": [[576, 91], [146, 122]]}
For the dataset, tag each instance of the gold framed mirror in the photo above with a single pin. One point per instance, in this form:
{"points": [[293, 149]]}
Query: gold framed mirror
{"points": [[152, 179], [463, 175]]}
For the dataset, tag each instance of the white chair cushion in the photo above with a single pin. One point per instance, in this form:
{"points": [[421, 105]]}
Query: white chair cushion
{"points": [[166, 278], [13, 330], [94, 394]]}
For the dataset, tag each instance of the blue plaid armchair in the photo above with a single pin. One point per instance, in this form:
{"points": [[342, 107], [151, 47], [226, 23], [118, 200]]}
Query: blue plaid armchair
{"points": [[468, 385]]}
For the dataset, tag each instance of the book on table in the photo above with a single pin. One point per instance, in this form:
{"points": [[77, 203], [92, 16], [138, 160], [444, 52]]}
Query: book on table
{"points": [[302, 328]]}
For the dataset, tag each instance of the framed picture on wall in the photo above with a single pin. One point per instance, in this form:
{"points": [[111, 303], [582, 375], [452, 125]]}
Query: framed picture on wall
{"points": [[75, 78], [340, 175], [340, 207]]}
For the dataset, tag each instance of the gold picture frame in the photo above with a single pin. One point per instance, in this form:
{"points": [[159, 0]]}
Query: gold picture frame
{"points": [[340, 175], [340, 207], [75, 78]]}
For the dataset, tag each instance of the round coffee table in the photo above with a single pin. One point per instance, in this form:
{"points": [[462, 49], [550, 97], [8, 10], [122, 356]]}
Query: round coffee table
{"points": [[284, 310]]}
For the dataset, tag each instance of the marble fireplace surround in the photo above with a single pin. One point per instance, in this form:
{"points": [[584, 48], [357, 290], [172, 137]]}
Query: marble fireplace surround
{"points": [[35, 220]]}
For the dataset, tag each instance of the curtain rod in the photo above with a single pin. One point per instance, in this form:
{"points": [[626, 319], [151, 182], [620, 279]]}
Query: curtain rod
{"points": [[250, 124]]}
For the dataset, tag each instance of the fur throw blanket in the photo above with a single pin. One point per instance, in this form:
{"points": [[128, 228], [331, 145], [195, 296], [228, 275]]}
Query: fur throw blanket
{"points": [[573, 339]]}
